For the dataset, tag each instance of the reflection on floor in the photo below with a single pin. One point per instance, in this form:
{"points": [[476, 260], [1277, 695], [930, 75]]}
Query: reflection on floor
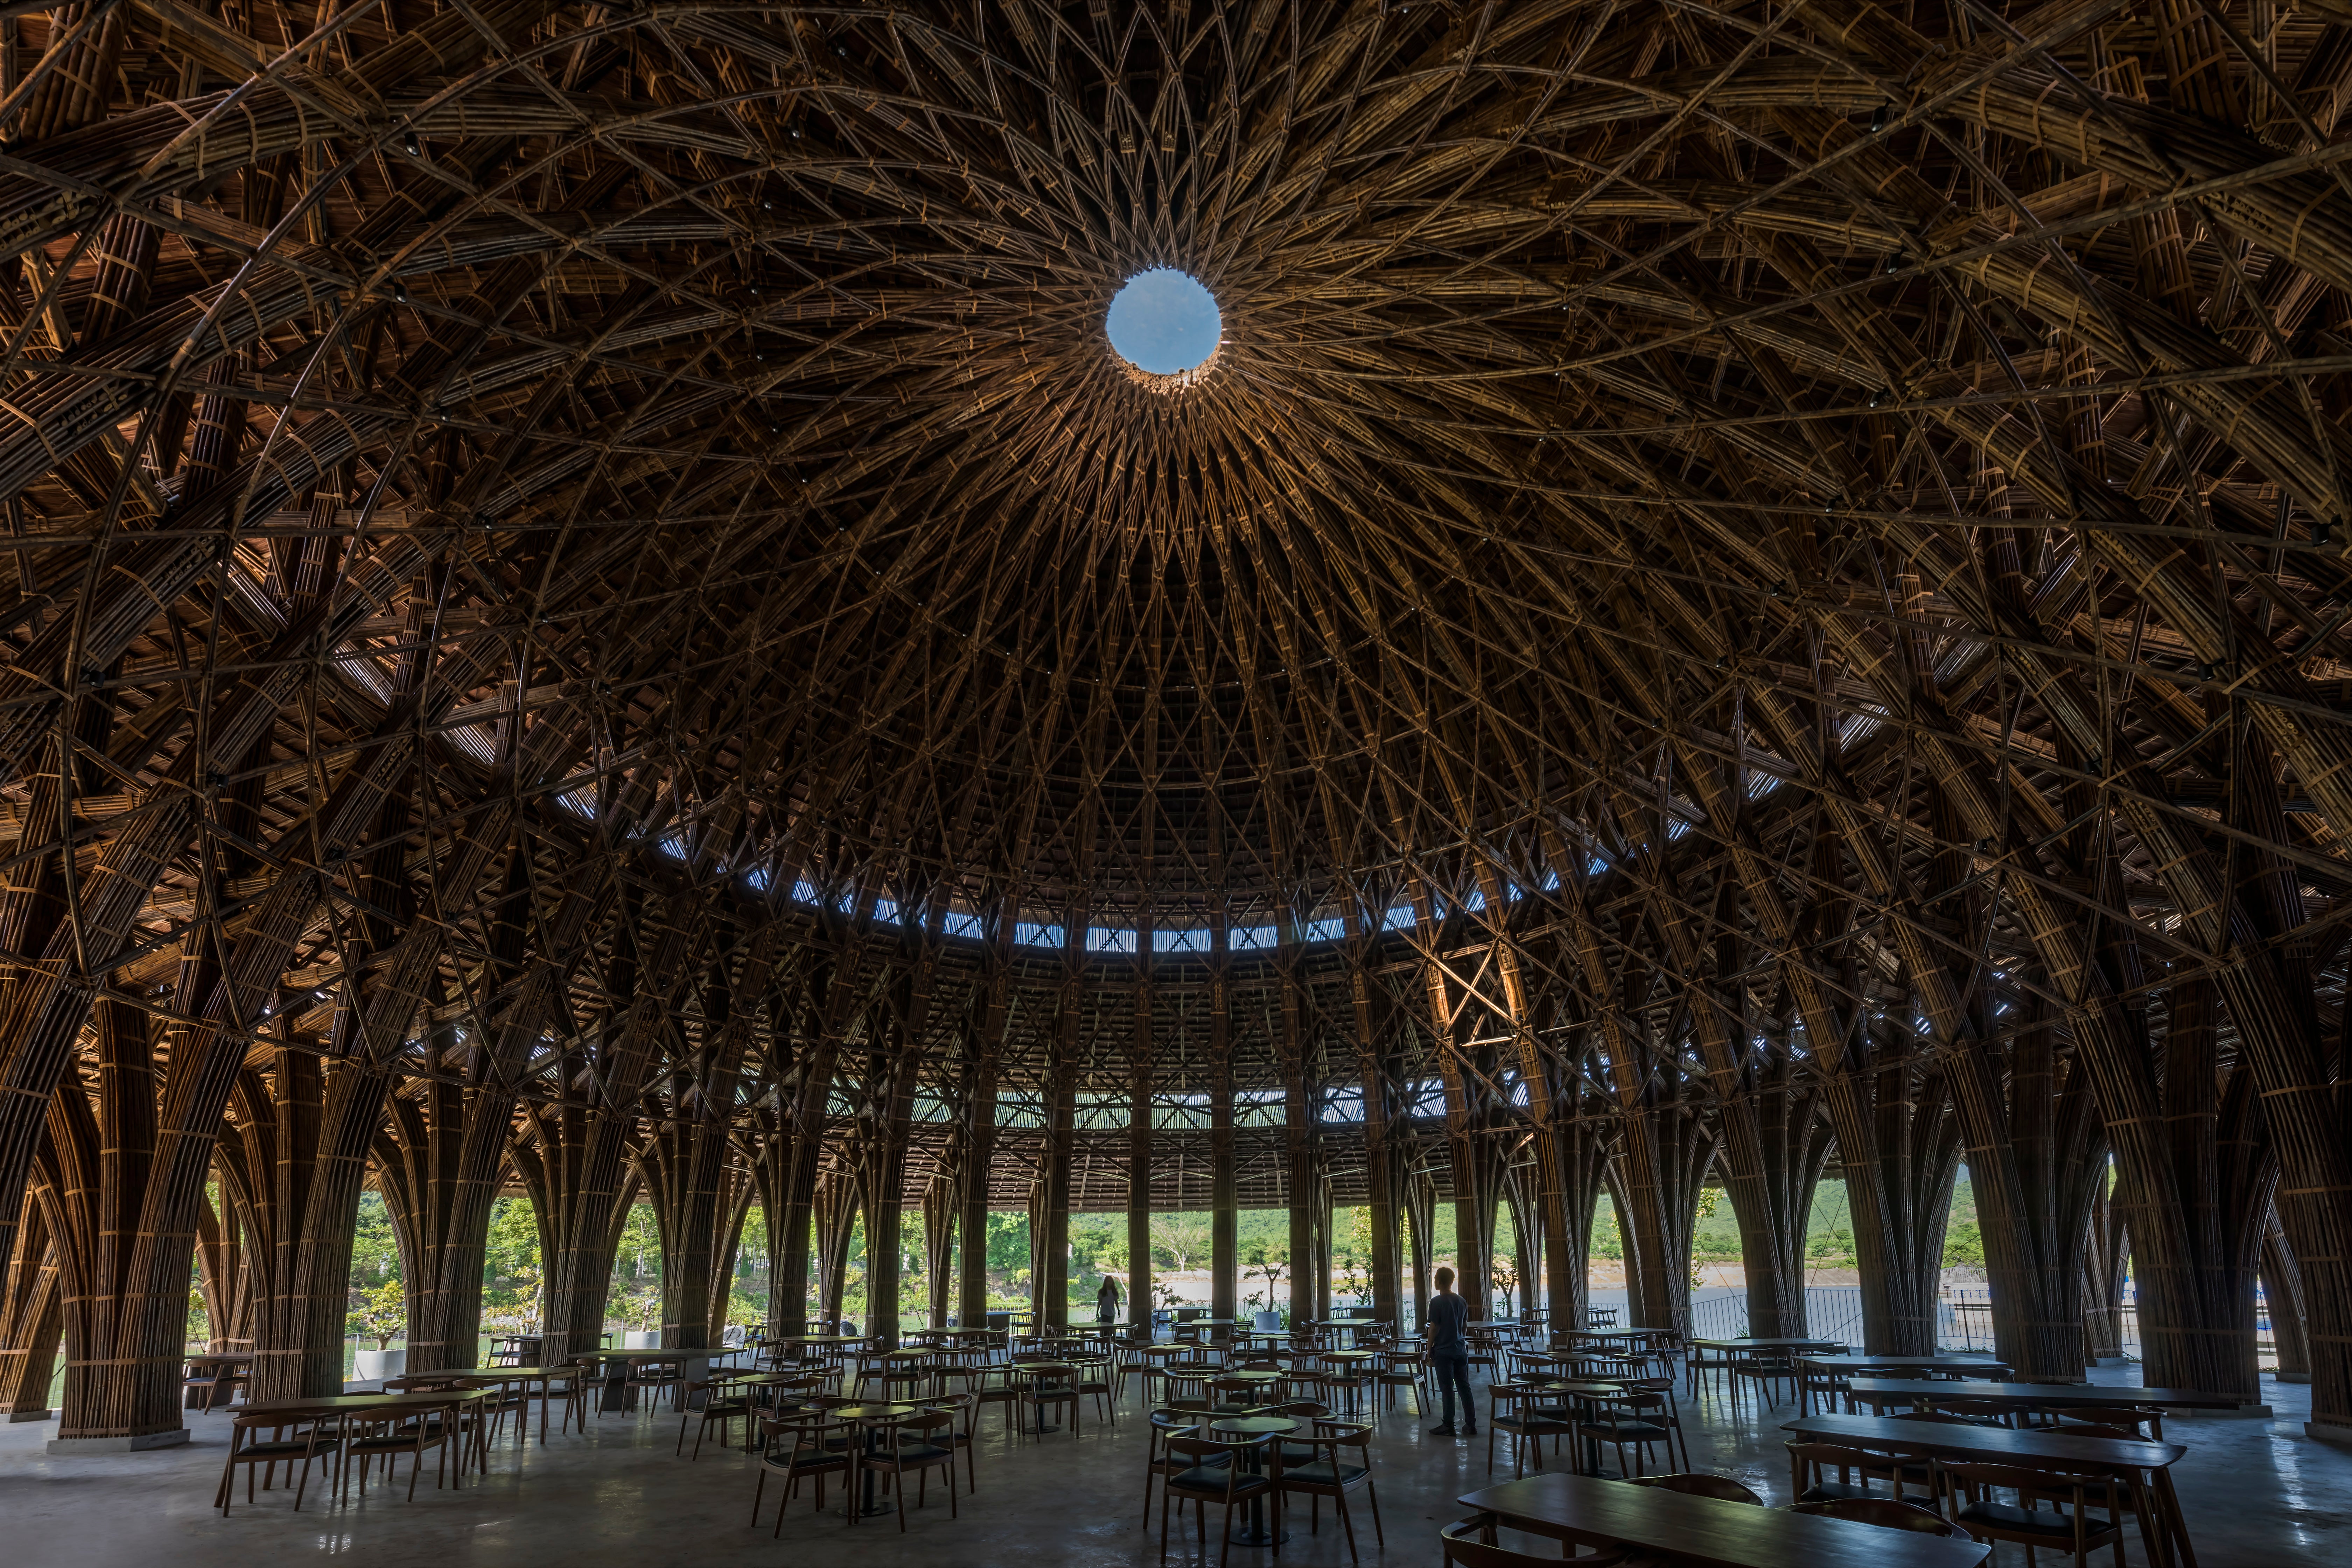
{"points": [[2254, 1492]]}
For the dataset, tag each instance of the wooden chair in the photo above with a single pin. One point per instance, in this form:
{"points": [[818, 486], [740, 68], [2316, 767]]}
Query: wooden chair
{"points": [[1634, 1420], [2065, 1526], [1238, 1393], [387, 1437], [721, 1406], [1042, 1391], [1820, 1389], [911, 1446], [1293, 1450], [572, 1386], [1349, 1384], [1512, 1411], [1128, 1360], [1096, 1382], [219, 1384], [653, 1377], [1654, 1397], [1691, 1484], [1405, 1368], [1767, 1371], [968, 1439], [1884, 1512], [1200, 1483], [798, 1446], [1158, 1464], [2139, 1424], [246, 1448], [1185, 1380], [1817, 1459], [1332, 1476]]}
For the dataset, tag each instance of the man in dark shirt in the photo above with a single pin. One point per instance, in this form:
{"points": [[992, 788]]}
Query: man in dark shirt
{"points": [[1446, 1322]]}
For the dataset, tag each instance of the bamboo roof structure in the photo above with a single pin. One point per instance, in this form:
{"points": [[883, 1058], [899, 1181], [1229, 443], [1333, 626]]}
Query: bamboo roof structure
{"points": [[1723, 542]]}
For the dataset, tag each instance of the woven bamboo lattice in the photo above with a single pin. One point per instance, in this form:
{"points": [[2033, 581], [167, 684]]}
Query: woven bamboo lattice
{"points": [[590, 608]]}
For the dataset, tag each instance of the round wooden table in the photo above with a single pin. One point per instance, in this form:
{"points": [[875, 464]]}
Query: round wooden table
{"points": [[1059, 1371], [872, 1417], [1253, 1531]]}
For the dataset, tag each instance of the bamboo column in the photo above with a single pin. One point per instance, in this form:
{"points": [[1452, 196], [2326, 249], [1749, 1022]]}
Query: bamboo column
{"points": [[1383, 1165], [1138, 1147], [686, 1161], [833, 1219], [222, 1276], [939, 1243], [1420, 1196], [1051, 1279], [2103, 1278], [833, 987], [894, 1103], [1224, 1183], [2034, 1154], [32, 1318], [2282, 1292], [980, 1156], [1301, 1190]]}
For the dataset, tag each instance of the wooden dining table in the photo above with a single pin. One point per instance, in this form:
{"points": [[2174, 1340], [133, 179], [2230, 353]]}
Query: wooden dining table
{"points": [[1791, 1342], [2051, 1396], [1252, 1530], [1848, 1364], [873, 1418], [419, 1400], [1705, 1530], [693, 1365], [2150, 1462]]}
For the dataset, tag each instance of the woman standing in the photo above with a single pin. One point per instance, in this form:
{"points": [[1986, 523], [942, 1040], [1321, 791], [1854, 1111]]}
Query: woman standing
{"points": [[1107, 1302]]}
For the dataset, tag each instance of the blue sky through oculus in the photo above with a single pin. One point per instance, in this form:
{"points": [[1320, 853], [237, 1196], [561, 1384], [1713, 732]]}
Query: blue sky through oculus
{"points": [[1164, 321]]}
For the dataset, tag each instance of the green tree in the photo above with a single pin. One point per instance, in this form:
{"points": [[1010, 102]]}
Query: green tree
{"points": [[1179, 1240], [511, 1251], [381, 1315], [1608, 1241], [375, 1249]]}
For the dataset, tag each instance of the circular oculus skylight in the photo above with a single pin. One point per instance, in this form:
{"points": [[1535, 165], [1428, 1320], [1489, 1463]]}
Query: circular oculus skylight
{"points": [[1165, 325]]}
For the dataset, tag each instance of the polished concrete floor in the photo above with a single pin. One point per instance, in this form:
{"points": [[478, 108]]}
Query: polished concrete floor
{"points": [[2253, 1491]]}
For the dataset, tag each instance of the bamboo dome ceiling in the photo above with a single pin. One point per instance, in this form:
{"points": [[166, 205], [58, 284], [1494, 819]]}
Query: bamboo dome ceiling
{"points": [[1639, 431]]}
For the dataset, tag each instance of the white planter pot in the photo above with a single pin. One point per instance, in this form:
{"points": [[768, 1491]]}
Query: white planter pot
{"points": [[641, 1340], [1268, 1323], [375, 1366]]}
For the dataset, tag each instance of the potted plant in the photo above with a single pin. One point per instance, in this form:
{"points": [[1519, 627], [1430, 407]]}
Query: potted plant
{"points": [[382, 1314]]}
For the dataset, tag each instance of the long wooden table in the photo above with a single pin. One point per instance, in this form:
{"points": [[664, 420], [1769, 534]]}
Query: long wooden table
{"points": [[2041, 1449], [1787, 1343], [1709, 1529], [420, 1400], [2050, 1395], [1905, 1363], [1851, 1363], [693, 1366]]}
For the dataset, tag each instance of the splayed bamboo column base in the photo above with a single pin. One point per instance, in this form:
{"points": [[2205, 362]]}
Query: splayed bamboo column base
{"points": [[176, 1438]]}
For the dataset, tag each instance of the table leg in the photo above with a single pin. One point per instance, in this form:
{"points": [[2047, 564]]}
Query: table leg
{"points": [[1253, 1530], [2177, 1526], [872, 1505]]}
